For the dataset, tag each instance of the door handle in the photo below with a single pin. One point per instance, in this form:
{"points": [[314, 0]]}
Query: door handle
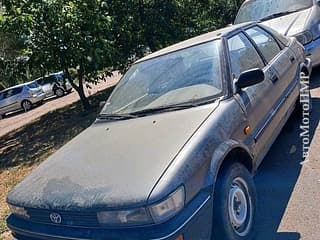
{"points": [[292, 59], [274, 78]]}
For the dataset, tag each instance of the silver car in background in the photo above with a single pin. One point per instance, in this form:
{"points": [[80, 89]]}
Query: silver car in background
{"points": [[55, 85], [298, 18], [22, 96]]}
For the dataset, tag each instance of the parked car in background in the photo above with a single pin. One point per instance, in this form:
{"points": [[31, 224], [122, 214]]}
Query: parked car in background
{"points": [[173, 153], [55, 84], [23, 96], [298, 18]]}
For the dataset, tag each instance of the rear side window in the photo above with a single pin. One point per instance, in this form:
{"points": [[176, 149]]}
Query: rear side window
{"points": [[243, 55], [40, 81], [283, 39], [33, 85], [267, 45], [12, 92]]}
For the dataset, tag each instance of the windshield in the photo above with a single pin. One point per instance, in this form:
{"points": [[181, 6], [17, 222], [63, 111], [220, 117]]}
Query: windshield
{"points": [[180, 77], [258, 9]]}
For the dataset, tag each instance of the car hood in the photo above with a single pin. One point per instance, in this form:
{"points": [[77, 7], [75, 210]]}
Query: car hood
{"points": [[291, 24], [115, 164]]}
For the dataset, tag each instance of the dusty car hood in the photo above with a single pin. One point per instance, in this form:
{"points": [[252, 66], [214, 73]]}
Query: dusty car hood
{"points": [[290, 25], [110, 164]]}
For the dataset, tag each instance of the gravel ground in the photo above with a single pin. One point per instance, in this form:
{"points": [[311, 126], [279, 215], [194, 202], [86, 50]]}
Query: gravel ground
{"points": [[18, 119]]}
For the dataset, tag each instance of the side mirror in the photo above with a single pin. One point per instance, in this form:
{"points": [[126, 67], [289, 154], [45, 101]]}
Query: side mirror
{"points": [[250, 78]]}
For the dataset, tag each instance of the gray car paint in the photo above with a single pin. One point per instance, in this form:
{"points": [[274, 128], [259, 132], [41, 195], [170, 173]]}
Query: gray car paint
{"points": [[296, 23], [140, 161], [14, 103], [110, 164]]}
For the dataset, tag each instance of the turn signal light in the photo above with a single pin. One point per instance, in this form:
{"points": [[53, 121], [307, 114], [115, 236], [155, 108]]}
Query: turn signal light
{"points": [[247, 130], [179, 238]]}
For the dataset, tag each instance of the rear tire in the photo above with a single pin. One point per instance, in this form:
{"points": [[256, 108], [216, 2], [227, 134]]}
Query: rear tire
{"points": [[26, 105], [234, 204], [59, 92]]}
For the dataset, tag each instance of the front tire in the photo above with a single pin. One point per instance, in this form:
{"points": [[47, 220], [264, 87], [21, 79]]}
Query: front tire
{"points": [[234, 204], [59, 92], [26, 105]]}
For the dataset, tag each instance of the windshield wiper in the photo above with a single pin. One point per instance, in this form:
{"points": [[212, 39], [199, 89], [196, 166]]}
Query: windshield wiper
{"points": [[116, 116], [160, 109], [275, 15], [168, 108]]}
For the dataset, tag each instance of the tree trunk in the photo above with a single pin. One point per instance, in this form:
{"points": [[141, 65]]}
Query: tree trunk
{"points": [[84, 100]]}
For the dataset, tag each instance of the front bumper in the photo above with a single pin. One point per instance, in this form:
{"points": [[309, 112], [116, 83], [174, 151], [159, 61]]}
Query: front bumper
{"points": [[313, 52], [195, 222]]}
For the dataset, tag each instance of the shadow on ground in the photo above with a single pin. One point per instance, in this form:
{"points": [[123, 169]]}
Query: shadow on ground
{"points": [[33, 143], [279, 173]]}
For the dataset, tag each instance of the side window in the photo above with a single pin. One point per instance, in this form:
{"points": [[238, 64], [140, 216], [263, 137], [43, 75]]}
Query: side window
{"points": [[14, 91], [40, 81], [243, 55], [265, 42], [284, 40], [5, 94]]}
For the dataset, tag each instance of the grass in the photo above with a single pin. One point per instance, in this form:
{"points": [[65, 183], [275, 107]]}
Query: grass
{"points": [[24, 149]]}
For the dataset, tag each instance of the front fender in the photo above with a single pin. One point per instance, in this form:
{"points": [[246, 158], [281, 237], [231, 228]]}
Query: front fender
{"points": [[220, 155]]}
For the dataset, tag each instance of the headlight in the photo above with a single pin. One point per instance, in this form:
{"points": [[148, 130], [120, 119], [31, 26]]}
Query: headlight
{"points": [[18, 211], [169, 207], [305, 37], [157, 213], [130, 217]]}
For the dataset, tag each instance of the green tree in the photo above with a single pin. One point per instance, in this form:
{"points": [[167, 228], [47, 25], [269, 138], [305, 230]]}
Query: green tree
{"points": [[70, 35], [86, 37], [139, 26]]}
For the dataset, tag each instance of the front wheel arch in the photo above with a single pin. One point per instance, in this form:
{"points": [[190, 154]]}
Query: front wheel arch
{"points": [[227, 153]]}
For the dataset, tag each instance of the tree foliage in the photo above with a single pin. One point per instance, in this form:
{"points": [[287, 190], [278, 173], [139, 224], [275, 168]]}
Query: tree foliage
{"points": [[90, 37]]}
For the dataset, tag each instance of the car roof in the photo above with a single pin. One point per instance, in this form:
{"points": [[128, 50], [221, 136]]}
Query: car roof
{"points": [[218, 34], [16, 86], [50, 75]]}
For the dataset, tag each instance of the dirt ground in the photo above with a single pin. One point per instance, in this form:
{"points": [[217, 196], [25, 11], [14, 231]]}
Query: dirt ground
{"points": [[18, 119]]}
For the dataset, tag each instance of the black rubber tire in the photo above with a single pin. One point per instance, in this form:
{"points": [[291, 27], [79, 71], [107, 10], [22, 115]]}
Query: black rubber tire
{"points": [[24, 105], [59, 92], [223, 228]]}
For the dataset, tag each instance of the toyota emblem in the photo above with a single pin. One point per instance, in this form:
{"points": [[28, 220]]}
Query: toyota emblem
{"points": [[55, 218]]}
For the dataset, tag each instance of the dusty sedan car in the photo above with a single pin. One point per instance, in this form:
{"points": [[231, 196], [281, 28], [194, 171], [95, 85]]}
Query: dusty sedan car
{"points": [[173, 152], [22, 96], [298, 18]]}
